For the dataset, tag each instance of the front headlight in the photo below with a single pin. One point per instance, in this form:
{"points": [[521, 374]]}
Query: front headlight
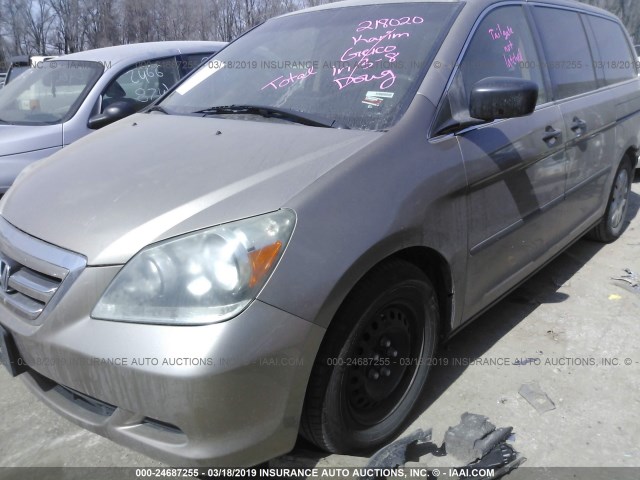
{"points": [[204, 277]]}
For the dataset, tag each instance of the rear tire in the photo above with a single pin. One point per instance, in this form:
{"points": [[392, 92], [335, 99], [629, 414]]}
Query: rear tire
{"points": [[373, 361], [612, 224]]}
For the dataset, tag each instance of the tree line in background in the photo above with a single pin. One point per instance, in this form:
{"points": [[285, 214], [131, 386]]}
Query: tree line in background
{"points": [[55, 27], [39, 27]]}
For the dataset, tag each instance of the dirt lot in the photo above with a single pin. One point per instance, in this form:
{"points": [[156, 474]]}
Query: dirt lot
{"points": [[578, 327]]}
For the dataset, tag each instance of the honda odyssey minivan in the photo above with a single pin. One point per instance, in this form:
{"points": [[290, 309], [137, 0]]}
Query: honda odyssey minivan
{"points": [[278, 245]]}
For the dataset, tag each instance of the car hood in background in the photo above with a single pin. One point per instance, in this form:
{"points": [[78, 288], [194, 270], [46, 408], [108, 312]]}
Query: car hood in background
{"points": [[16, 139], [152, 176]]}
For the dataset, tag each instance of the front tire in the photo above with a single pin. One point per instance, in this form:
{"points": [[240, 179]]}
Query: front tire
{"points": [[612, 224], [373, 362]]}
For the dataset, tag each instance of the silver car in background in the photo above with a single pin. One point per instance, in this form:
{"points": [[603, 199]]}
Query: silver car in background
{"points": [[56, 102]]}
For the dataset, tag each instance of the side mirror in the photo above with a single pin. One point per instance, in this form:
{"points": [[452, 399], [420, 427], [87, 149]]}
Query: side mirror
{"points": [[114, 112], [502, 97]]}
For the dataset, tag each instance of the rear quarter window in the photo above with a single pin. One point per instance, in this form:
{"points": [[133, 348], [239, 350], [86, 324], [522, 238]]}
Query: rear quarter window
{"points": [[612, 53], [190, 61], [567, 51]]}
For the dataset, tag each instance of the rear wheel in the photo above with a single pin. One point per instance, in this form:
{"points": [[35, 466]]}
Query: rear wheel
{"points": [[612, 224], [373, 362]]}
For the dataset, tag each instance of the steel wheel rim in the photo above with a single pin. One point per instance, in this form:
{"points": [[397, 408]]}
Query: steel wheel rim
{"points": [[389, 339]]}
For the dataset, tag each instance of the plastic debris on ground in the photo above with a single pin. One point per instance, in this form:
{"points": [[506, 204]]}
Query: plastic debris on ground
{"points": [[473, 437], [539, 400], [475, 441], [630, 279]]}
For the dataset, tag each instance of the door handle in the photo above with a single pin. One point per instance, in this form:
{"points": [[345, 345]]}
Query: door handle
{"points": [[579, 126], [552, 136]]}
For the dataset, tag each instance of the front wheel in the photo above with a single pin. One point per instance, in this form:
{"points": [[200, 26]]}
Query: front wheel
{"points": [[612, 224], [373, 362]]}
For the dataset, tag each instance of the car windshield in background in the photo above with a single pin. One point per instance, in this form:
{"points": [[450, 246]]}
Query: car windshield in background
{"points": [[357, 68], [48, 94]]}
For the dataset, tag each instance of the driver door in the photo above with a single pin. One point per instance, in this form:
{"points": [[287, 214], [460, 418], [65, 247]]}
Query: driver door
{"points": [[516, 168]]}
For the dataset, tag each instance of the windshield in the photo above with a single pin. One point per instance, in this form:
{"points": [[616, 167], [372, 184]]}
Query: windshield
{"points": [[15, 71], [357, 67], [48, 94]]}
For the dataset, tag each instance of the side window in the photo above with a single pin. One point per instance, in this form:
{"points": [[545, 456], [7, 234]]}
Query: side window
{"points": [[567, 52], [502, 46], [142, 83], [612, 52]]}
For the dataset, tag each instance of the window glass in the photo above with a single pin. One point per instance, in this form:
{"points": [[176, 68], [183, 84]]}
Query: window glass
{"points": [[502, 46], [358, 67], [16, 70], [193, 60], [613, 53], [142, 84], [567, 52], [48, 94]]}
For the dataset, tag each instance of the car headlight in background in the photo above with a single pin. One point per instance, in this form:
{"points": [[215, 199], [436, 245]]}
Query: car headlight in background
{"points": [[199, 278]]}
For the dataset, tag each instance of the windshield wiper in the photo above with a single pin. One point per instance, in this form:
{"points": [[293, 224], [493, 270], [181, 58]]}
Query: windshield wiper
{"points": [[268, 112]]}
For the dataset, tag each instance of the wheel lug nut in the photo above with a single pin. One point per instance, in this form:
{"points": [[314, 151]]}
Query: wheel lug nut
{"points": [[392, 353], [376, 357], [385, 342], [374, 375], [385, 371]]}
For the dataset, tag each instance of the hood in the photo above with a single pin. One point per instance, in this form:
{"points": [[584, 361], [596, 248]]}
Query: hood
{"points": [[15, 139], [152, 176]]}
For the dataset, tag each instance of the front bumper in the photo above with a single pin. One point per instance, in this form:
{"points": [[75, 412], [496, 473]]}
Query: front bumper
{"points": [[227, 394]]}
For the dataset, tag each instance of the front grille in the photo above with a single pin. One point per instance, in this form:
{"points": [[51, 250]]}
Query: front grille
{"points": [[33, 272], [24, 290]]}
